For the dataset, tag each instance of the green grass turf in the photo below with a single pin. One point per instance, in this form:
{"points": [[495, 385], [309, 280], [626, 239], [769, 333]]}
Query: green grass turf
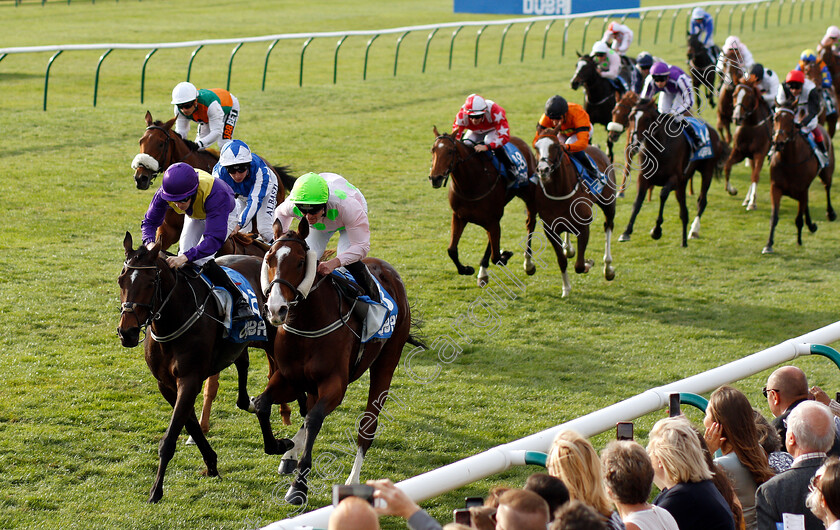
{"points": [[81, 417]]}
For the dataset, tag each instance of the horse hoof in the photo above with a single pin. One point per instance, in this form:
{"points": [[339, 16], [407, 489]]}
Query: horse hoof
{"points": [[609, 273], [831, 215], [624, 237], [295, 496], [467, 271], [252, 408], [767, 250], [483, 281], [812, 228], [620, 194], [656, 233], [694, 235], [732, 190], [530, 270], [587, 265], [287, 466], [569, 252], [751, 207], [506, 255]]}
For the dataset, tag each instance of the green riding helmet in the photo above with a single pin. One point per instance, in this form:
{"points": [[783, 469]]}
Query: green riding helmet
{"points": [[310, 188]]}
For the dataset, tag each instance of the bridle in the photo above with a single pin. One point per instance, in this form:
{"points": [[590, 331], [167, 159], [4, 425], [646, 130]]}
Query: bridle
{"points": [[754, 109], [456, 161], [552, 167], [163, 155], [281, 281]]}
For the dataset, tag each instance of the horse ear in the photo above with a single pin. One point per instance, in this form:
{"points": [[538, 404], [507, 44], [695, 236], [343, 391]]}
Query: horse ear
{"points": [[303, 228], [277, 226], [170, 123], [578, 54], [434, 130], [128, 244], [149, 119]]}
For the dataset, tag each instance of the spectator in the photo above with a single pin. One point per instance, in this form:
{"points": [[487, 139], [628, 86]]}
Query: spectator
{"points": [[810, 432], [399, 504], [681, 472], [551, 489], [769, 440], [576, 515], [573, 460], [628, 475], [521, 510], [722, 483], [730, 428], [492, 499], [354, 512], [824, 496]]}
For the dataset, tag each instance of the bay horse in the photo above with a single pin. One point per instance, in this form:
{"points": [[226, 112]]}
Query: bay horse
{"points": [[664, 161], [478, 195], [183, 343], [702, 69], [620, 123], [829, 97], [753, 136], [318, 352], [731, 76], [565, 204], [599, 95], [793, 167], [160, 147], [827, 56]]}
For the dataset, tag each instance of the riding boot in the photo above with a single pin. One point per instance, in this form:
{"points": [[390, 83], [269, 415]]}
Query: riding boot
{"points": [[364, 279], [241, 309], [510, 169]]}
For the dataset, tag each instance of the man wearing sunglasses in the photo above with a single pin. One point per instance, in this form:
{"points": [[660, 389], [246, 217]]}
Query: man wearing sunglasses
{"points": [[254, 185], [215, 110], [330, 204]]}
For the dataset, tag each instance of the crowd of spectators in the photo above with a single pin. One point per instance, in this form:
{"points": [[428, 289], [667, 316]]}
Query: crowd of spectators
{"points": [[740, 472]]}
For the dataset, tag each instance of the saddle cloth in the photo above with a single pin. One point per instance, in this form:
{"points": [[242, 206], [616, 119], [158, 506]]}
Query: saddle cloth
{"points": [[244, 330], [517, 160], [704, 150], [381, 316], [595, 183], [821, 158]]}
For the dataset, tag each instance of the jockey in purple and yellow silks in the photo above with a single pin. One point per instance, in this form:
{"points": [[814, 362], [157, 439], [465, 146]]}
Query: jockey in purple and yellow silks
{"points": [[215, 110], [209, 218]]}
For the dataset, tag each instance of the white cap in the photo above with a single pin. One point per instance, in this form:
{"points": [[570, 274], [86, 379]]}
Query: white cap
{"points": [[600, 47], [698, 12], [184, 92]]}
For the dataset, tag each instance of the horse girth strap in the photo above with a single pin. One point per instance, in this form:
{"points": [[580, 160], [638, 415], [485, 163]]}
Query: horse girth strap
{"points": [[326, 330]]}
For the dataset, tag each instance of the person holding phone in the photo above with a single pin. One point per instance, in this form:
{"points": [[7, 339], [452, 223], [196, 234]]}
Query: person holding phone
{"points": [[354, 512], [396, 502]]}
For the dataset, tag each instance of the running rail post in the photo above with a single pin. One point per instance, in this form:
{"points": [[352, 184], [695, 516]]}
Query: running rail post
{"points": [[367, 50], [716, 17], [585, 29], [335, 59], [779, 18], [47, 76], [426, 53], [743, 16], [96, 78], [192, 57], [265, 66], [729, 28], [230, 64], [766, 14], [452, 44], [673, 23], [565, 36], [641, 23], [302, 52], [658, 20], [545, 35], [755, 14], [396, 52], [502, 45], [477, 37], [143, 74], [524, 41]]}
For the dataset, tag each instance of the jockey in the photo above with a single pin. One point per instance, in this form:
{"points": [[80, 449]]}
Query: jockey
{"points": [[677, 93], [643, 63], [802, 93], [767, 82], [575, 129], [702, 25], [210, 216], [486, 128], [619, 36], [609, 65], [254, 185], [743, 58], [331, 204], [830, 39], [216, 111], [810, 56]]}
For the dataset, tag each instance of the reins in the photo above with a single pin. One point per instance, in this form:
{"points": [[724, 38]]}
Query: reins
{"points": [[552, 168], [458, 161], [163, 157]]}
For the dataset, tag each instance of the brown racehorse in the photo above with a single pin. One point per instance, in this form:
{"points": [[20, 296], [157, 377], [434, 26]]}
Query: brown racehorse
{"points": [[827, 56], [318, 353], [621, 122], [183, 343], [732, 75], [478, 195], [160, 147], [829, 99], [664, 161], [753, 136], [792, 169], [565, 204]]}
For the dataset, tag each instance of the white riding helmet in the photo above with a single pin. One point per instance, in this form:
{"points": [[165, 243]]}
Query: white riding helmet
{"points": [[184, 92], [475, 105], [731, 42], [833, 32], [698, 12], [235, 152], [600, 47]]}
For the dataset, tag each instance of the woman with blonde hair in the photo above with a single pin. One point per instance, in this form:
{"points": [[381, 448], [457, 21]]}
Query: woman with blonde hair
{"points": [[730, 427], [824, 494], [573, 460], [681, 472]]}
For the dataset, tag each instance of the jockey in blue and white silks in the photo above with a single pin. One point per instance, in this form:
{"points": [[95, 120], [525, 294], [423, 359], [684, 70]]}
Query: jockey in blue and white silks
{"points": [[253, 183], [702, 25]]}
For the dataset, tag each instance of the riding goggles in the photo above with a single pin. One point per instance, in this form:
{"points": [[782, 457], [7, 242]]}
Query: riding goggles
{"points": [[186, 105], [238, 168], [309, 209]]}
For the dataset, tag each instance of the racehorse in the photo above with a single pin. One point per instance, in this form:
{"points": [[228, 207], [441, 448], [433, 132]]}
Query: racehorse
{"points": [[702, 68], [565, 204], [793, 167], [160, 147], [828, 99], [183, 343], [827, 56], [664, 161], [753, 135], [732, 75], [621, 122], [599, 95], [478, 195], [318, 352]]}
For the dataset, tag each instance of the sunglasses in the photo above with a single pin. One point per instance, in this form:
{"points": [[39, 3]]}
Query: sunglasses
{"points": [[765, 390], [794, 86], [239, 168], [309, 208], [186, 105], [476, 116]]}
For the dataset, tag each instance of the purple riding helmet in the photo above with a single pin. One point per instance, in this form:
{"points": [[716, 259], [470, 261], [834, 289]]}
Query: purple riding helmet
{"points": [[179, 182], [660, 70]]}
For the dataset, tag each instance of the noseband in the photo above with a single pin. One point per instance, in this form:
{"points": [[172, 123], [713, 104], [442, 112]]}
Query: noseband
{"points": [[163, 155], [130, 307], [281, 281]]}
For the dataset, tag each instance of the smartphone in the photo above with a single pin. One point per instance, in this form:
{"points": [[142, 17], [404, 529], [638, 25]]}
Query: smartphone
{"points": [[462, 516], [837, 397], [469, 502], [342, 491], [624, 430], [674, 404]]}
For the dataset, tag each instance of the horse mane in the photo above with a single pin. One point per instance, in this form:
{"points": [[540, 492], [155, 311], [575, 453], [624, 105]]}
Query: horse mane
{"points": [[192, 145]]}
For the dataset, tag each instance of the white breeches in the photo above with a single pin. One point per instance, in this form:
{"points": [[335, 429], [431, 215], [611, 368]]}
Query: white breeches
{"points": [[193, 233]]}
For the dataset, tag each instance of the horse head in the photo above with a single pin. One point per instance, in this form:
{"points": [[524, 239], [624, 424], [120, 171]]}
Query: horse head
{"points": [[784, 129], [288, 270], [643, 115], [747, 100], [584, 71], [549, 153], [139, 287], [621, 115], [156, 151], [444, 158]]}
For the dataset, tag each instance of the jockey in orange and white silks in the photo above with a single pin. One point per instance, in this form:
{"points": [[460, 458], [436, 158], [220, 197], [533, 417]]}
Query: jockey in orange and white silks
{"points": [[619, 37], [216, 112], [482, 121], [743, 57]]}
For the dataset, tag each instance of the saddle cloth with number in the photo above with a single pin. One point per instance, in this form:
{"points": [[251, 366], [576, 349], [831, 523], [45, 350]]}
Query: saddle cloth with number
{"points": [[381, 316], [245, 330]]}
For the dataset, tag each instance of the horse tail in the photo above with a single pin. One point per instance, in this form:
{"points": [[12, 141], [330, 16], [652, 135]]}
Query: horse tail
{"points": [[285, 177], [725, 151], [416, 323]]}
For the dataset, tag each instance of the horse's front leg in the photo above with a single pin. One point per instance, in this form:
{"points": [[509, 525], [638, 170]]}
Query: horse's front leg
{"points": [[637, 205], [825, 177], [679, 192], [562, 261], [734, 157], [582, 265], [243, 400], [656, 232], [775, 199], [457, 229], [277, 391]]}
